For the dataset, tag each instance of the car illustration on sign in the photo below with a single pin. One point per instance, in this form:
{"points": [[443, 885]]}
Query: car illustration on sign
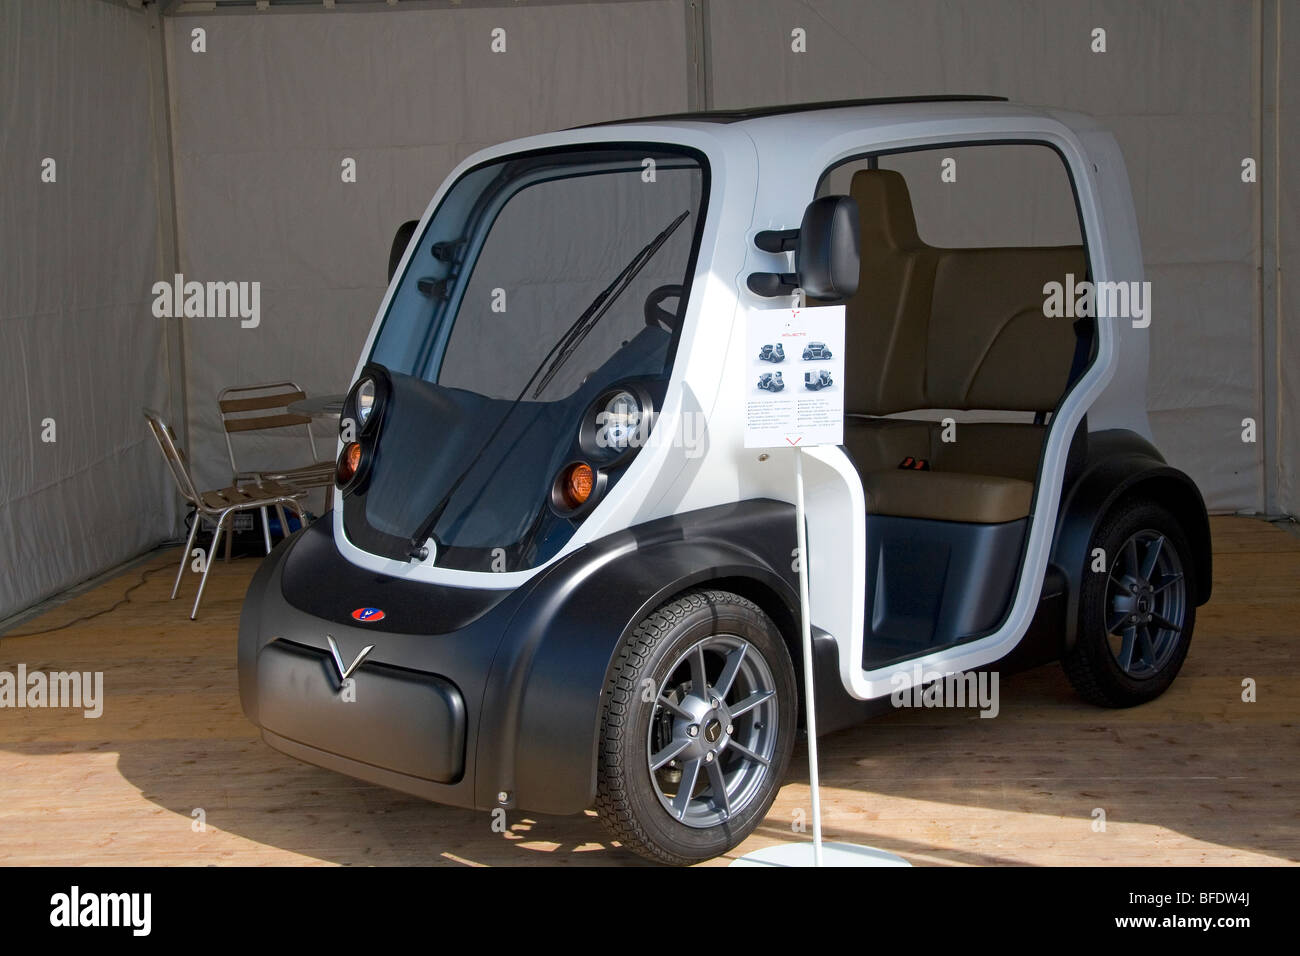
{"points": [[771, 382], [817, 380], [815, 351], [772, 353]]}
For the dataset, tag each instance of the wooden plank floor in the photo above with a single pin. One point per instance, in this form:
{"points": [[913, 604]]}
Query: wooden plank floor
{"points": [[1198, 777]]}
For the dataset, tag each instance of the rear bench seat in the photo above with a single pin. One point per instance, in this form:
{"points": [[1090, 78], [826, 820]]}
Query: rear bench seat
{"points": [[986, 476], [961, 329]]}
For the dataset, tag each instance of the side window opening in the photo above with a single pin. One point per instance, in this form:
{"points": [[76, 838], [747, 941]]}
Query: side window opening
{"points": [[955, 364], [949, 322]]}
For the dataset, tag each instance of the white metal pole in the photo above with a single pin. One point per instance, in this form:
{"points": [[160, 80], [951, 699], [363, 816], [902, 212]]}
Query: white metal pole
{"points": [[806, 620]]}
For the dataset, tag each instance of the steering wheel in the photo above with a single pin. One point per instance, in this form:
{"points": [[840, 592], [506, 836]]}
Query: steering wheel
{"points": [[655, 314]]}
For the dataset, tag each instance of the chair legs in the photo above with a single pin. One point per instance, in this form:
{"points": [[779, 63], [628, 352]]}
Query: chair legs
{"points": [[185, 555], [222, 529], [212, 557], [266, 529]]}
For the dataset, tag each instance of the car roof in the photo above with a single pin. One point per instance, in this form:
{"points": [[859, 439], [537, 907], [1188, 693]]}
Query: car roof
{"points": [[760, 112], [772, 126]]}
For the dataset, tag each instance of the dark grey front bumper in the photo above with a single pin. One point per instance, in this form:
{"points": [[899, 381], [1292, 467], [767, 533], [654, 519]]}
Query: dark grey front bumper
{"points": [[407, 722], [410, 718]]}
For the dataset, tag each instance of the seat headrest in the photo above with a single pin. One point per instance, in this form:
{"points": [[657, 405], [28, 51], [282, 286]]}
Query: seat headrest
{"points": [[885, 209]]}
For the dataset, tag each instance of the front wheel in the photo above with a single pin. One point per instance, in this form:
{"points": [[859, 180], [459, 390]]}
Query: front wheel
{"points": [[697, 728], [1136, 616]]}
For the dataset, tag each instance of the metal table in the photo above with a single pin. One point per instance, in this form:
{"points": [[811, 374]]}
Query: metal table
{"points": [[321, 407]]}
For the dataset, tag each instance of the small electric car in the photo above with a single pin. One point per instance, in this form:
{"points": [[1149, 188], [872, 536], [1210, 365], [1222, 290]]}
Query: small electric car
{"points": [[816, 351], [772, 353], [771, 381], [816, 381], [555, 578]]}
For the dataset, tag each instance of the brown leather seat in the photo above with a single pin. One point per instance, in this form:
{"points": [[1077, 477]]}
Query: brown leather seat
{"points": [[934, 328]]}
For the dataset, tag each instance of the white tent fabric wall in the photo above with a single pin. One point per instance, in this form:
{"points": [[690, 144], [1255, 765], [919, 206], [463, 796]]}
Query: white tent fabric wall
{"points": [[1177, 86], [78, 343], [1288, 302], [261, 122], [265, 117]]}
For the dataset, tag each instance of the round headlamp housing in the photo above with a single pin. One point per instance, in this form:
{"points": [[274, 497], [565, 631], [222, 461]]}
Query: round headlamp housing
{"points": [[617, 423], [359, 421], [363, 409]]}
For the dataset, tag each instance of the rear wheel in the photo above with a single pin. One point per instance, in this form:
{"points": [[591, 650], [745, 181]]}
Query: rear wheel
{"points": [[1136, 617], [697, 728]]}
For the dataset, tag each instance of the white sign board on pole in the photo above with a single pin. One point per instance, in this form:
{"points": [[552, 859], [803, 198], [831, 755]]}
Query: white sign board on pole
{"points": [[795, 393], [795, 398]]}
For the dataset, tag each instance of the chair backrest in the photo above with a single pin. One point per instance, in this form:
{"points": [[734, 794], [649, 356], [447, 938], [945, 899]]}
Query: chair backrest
{"points": [[173, 455], [249, 408]]}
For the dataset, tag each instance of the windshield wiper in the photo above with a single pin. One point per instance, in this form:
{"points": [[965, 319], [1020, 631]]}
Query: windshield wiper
{"points": [[555, 357], [600, 305]]}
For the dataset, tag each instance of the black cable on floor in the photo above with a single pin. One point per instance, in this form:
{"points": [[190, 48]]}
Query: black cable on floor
{"points": [[126, 599]]}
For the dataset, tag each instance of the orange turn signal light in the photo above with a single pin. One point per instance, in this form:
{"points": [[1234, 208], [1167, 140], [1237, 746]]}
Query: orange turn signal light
{"points": [[576, 484], [349, 462]]}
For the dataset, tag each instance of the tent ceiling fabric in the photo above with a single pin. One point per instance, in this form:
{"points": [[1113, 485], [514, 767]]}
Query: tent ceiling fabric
{"points": [[279, 6]]}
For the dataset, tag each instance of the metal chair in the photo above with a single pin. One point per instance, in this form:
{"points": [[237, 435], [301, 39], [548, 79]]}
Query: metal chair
{"points": [[250, 408], [218, 505]]}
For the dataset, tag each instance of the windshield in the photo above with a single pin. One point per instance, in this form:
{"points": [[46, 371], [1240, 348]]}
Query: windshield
{"points": [[538, 285]]}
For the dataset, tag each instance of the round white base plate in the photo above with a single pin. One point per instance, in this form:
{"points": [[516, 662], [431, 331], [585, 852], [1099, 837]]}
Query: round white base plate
{"points": [[833, 854]]}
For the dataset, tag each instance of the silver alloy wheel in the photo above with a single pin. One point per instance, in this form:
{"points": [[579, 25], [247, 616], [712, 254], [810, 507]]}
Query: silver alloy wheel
{"points": [[713, 731], [1146, 604]]}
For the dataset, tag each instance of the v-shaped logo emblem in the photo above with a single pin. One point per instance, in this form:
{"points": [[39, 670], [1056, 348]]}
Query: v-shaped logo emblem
{"points": [[346, 672]]}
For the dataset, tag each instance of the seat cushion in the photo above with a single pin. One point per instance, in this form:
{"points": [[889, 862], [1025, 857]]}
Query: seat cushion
{"points": [[246, 495], [947, 496]]}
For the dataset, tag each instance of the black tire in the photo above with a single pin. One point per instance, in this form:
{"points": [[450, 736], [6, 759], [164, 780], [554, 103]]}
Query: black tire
{"points": [[630, 798], [1095, 665]]}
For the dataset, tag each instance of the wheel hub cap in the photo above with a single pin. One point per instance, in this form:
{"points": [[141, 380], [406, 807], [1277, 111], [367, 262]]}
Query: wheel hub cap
{"points": [[1146, 600], [713, 731]]}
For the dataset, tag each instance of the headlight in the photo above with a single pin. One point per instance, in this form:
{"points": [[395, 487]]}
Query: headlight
{"points": [[365, 400], [363, 409], [618, 422]]}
